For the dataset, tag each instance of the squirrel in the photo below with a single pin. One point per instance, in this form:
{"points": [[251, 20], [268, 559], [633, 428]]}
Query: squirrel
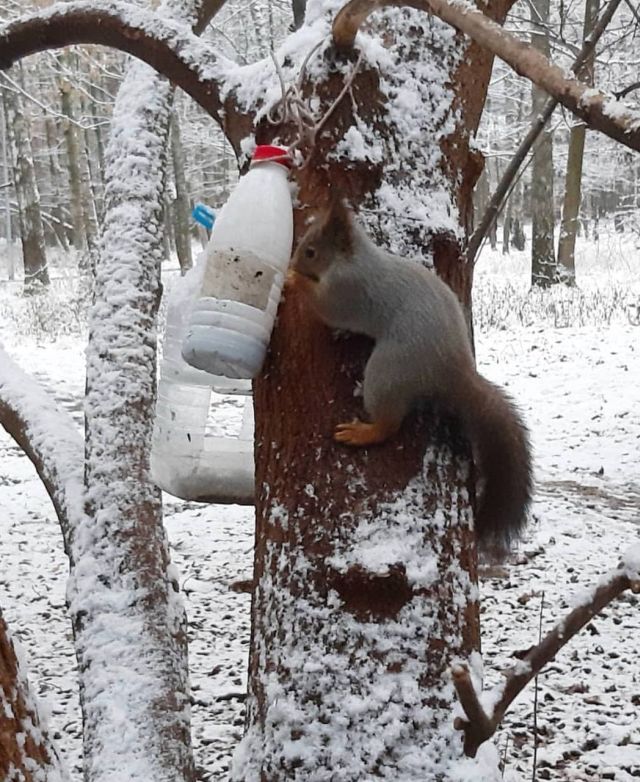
{"points": [[422, 351]]}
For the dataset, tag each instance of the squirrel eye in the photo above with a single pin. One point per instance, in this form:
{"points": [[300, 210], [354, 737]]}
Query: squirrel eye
{"points": [[310, 252]]}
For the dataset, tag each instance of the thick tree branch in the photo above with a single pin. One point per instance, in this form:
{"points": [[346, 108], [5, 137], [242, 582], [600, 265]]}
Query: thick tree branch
{"points": [[48, 437], [170, 48], [537, 126], [478, 725], [597, 109]]}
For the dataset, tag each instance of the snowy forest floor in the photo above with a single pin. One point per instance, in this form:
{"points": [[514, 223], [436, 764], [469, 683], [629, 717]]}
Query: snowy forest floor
{"points": [[571, 358]]}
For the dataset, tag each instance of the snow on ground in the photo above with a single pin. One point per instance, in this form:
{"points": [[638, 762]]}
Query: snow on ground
{"points": [[570, 359]]}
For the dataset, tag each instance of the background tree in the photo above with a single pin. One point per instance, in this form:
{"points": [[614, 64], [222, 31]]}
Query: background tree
{"points": [[573, 179], [543, 254], [31, 231]]}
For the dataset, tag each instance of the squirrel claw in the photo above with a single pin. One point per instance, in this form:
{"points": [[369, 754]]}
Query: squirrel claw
{"points": [[358, 433]]}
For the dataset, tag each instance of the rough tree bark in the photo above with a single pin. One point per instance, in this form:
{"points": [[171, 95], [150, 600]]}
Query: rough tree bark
{"points": [[365, 562], [26, 751]]}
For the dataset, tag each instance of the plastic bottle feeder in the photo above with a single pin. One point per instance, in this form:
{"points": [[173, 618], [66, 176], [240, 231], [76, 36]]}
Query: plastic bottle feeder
{"points": [[219, 322], [247, 259]]}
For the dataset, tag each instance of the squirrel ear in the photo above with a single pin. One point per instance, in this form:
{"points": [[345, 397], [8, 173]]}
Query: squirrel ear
{"points": [[340, 222]]}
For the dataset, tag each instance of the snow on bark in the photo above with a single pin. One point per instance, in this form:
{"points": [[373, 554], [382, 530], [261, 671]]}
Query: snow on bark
{"points": [[365, 572], [48, 436], [128, 618], [354, 635], [27, 753]]}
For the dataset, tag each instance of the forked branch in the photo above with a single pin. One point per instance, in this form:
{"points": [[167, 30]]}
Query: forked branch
{"points": [[597, 109], [478, 726]]}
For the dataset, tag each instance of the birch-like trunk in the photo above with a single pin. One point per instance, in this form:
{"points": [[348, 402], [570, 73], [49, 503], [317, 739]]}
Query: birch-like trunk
{"points": [[6, 207], [56, 174], [82, 201]]}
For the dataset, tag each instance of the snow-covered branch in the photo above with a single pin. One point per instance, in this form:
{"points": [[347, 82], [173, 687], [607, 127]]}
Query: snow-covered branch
{"points": [[168, 46], [480, 726], [49, 438], [599, 110]]}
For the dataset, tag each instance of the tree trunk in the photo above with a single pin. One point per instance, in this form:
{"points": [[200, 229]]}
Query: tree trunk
{"points": [[365, 561], [121, 590], [182, 211], [544, 271], [56, 179], [8, 177], [506, 228], [573, 181], [82, 202], [94, 181], [26, 751], [73, 168], [36, 273], [125, 540]]}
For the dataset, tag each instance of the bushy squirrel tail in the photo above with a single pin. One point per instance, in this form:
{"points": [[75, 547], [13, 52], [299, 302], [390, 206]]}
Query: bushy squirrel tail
{"points": [[501, 445]]}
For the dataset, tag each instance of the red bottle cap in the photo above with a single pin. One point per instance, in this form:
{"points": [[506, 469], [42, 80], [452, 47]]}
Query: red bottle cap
{"points": [[265, 152]]}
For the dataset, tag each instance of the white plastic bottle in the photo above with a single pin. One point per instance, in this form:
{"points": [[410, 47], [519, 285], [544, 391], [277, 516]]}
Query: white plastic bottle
{"points": [[185, 460], [247, 258]]}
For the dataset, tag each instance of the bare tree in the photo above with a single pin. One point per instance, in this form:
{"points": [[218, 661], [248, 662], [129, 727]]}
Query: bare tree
{"points": [[543, 255], [573, 180], [34, 257]]}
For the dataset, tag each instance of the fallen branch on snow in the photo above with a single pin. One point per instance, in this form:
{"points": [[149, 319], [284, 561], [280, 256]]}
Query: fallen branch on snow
{"points": [[480, 726]]}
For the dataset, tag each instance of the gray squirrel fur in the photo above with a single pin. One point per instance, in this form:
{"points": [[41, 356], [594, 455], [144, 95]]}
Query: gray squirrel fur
{"points": [[422, 351]]}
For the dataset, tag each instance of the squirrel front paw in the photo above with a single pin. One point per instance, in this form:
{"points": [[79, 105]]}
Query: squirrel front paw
{"points": [[359, 433]]}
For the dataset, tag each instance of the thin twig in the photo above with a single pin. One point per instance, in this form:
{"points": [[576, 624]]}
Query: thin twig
{"points": [[623, 93], [347, 86], [535, 702], [292, 106]]}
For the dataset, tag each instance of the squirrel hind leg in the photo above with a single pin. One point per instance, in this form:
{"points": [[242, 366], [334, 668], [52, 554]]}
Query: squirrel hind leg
{"points": [[358, 433], [387, 398]]}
